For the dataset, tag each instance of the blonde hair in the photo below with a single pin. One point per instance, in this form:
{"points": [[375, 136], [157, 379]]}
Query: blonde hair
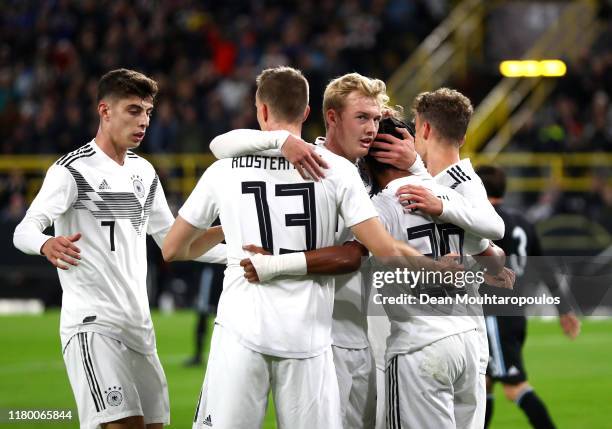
{"points": [[340, 88]]}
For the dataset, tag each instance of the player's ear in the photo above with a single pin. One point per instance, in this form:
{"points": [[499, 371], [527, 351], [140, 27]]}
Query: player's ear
{"points": [[306, 113], [331, 117], [103, 110], [265, 113], [426, 130]]}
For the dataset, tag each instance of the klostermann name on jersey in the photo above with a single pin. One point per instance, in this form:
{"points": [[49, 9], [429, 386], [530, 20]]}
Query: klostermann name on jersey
{"points": [[276, 209], [260, 161]]}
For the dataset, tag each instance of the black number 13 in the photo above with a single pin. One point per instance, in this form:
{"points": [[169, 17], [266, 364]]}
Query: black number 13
{"points": [[308, 219]]}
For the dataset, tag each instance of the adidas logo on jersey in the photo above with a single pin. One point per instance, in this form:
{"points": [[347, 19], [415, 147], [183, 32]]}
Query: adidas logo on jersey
{"points": [[208, 421], [104, 185], [513, 370]]}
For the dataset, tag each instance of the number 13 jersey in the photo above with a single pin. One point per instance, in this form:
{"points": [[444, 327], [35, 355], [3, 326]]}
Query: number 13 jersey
{"points": [[262, 200]]}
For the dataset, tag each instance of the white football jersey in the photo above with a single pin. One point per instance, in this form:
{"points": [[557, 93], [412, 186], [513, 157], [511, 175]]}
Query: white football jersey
{"points": [[410, 329], [114, 207], [462, 178], [262, 200]]}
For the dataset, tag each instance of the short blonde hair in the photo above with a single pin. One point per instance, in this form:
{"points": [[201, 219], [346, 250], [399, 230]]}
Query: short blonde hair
{"points": [[339, 89]]}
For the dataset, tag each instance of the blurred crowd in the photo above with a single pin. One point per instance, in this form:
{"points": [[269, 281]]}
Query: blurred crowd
{"points": [[205, 56]]}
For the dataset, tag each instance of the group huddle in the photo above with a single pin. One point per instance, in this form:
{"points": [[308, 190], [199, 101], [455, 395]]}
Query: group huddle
{"points": [[304, 227]]}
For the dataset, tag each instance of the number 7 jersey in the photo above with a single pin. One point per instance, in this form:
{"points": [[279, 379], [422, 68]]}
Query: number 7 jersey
{"points": [[114, 207], [262, 200]]}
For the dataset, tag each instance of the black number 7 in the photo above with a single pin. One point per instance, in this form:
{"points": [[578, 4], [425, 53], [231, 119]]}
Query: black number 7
{"points": [[111, 224]]}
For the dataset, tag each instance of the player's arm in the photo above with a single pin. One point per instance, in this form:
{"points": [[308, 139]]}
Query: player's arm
{"points": [[247, 142], [185, 242], [570, 324], [187, 238], [481, 219], [328, 260], [161, 221], [55, 197]]}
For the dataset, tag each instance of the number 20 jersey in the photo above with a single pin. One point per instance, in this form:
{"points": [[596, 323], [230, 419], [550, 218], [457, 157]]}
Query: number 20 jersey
{"points": [[262, 200], [114, 207]]}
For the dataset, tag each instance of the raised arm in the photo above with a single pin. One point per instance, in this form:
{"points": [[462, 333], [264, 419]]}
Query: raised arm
{"points": [[247, 142]]}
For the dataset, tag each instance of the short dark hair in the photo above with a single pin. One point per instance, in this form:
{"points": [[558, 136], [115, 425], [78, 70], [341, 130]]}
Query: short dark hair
{"points": [[387, 125], [447, 110], [124, 83], [285, 91], [494, 180]]}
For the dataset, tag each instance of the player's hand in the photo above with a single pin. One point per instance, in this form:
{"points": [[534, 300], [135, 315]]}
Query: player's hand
{"points": [[304, 158], [61, 250], [570, 325], [250, 273], [449, 262], [415, 197], [393, 151], [504, 279]]}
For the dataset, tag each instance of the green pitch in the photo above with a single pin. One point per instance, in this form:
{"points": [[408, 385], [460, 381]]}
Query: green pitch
{"points": [[573, 378]]}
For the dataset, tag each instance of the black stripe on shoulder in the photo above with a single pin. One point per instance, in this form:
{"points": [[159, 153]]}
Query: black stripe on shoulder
{"points": [[461, 173], [87, 149], [452, 175], [85, 155]]}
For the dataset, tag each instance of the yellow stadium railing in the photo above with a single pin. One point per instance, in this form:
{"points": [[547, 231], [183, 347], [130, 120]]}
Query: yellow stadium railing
{"points": [[180, 172], [493, 117], [444, 53]]}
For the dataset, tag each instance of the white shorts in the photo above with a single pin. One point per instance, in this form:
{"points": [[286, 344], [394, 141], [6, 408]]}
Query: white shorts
{"points": [[381, 401], [437, 386], [357, 384], [112, 382], [237, 381]]}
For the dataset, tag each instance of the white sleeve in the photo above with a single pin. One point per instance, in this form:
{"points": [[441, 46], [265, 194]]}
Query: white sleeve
{"points": [[201, 208], [161, 218], [474, 215], [474, 245], [418, 168], [57, 194], [353, 200], [247, 142]]}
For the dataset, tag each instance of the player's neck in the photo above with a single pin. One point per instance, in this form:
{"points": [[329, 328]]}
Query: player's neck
{"points": [[333, 145], [112, 150], [294, 129], [440, 156], [496, 201], [387, 176]]}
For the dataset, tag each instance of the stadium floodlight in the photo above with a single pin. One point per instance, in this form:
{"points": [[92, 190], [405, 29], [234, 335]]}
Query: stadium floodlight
{"points": [[533, 68]]}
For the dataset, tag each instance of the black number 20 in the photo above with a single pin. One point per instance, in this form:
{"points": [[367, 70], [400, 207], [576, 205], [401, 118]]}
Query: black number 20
{"points": [[307, 219]]}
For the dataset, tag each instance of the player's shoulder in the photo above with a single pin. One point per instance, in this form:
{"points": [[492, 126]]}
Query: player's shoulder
{"points": [[335, 162], [459, 173], [84, 152], [141, 162]]}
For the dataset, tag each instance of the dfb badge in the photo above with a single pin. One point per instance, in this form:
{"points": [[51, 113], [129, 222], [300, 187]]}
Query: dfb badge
{"points": [[139, 188], [114, 396]]}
